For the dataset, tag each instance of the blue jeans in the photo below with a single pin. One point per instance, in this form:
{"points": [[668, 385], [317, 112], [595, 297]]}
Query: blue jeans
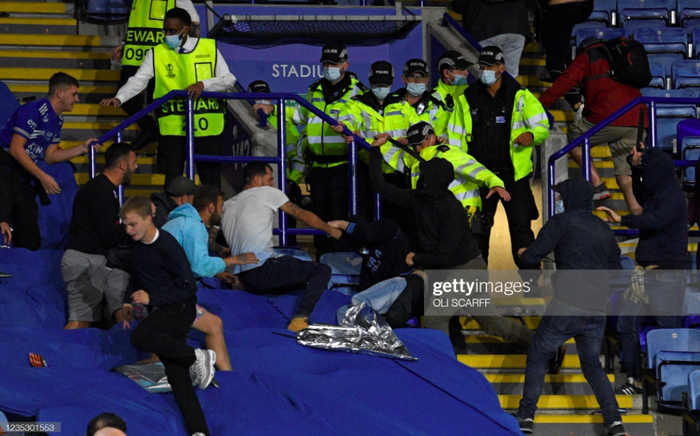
{"points": [[587, 329], [379, 296], [666, 291]]}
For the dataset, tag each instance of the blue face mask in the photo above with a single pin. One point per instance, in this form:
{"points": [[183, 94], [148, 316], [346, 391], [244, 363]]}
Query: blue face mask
{"points": [[459, 80], [559, 206], [415, 89], [332, 74], [381, 92], [173, 41], [488, 78]]}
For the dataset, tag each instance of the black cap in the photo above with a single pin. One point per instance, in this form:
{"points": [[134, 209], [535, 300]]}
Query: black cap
{"points": [[452, 60], [417, 133], [180, 186], [334, 52], [415, 66], [259, 86], [381, 73], [491, 55]]}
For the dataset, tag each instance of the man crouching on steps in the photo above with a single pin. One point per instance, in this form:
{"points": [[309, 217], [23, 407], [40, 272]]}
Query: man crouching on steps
{"points": [[165, 283]]}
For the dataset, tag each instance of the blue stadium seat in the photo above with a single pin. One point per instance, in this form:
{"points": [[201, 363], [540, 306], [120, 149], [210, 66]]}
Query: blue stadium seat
{"points": [[694, 390], [667, 348], [637, 14], [686, 74], [695, 40], [659, 76], [8, 104], [668, 116], [671, 40], [604, 34], [690, 150], [688, 14], [691, 406], [346, 271], [604, 11], [107, 10]]}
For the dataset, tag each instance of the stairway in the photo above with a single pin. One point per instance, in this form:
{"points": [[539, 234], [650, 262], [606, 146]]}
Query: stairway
{"points": [[39, 39]]}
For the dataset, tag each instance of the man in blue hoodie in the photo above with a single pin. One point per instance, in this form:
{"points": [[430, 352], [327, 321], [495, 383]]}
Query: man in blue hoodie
{"points": [[188, 224], [663, 245]]}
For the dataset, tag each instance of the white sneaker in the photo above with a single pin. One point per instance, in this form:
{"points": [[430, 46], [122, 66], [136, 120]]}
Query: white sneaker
{"points": [[198, 434], [203, 368]]}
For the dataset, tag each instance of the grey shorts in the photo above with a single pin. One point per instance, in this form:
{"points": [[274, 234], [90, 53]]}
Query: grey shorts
{"points": [[93, 289]]}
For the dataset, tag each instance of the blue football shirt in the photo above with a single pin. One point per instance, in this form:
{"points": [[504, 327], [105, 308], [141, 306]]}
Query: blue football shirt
{"points": [[37, 122]]}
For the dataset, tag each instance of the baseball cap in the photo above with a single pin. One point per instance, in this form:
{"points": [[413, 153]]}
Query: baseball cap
{"points": [[452, 60], [259, 86], [415, 66], [381, 73], [417, 133], [491, 55], [181, 186], [334, 52]]}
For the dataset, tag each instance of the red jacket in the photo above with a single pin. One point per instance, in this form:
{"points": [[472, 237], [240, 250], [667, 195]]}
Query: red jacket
{"points": [[603, 95]]}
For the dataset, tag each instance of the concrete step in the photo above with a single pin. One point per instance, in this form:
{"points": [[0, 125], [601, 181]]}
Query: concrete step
{"points": [[95, 110], [590, 425], [560, 384], [88, 94], [50, 40], [510, 361], [83, 130], [564, 402], [32, 7], [56, 59], [46, 73], [36, 26]]}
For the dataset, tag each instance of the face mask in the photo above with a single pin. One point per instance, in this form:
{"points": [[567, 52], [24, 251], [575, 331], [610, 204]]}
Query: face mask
{"points": [[559, 206], [415, 89], [381, 92], [173, 41], [488, 78], [332, 74], [459, 80]]}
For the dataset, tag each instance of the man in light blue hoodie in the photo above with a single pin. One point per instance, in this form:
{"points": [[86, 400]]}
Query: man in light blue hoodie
{"points": [[188, 224]]}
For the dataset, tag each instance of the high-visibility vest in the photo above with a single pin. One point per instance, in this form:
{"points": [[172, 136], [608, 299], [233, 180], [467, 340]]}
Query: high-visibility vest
{"points": [[145, 29], [428, 109], [178, 71], [448, 94], [295, 144], [528, 116], [326, 148]]}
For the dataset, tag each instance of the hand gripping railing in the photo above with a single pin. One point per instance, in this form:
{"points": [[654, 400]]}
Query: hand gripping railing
{"points": [[280, 159], [585, 140]]}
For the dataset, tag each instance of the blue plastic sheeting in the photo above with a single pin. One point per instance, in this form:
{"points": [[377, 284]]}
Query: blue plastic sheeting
{"points": [[54, 219], [277, 386], [8, 104]]}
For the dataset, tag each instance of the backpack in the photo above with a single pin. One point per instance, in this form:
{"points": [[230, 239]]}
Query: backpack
{"points": [[628, 61]]}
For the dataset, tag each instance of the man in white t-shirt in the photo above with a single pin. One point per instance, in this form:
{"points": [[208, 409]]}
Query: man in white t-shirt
{"points": [[247, 226]]}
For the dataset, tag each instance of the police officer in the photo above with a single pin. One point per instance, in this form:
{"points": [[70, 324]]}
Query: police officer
{"points": [[499, 122], [145, 32], [327, 150], [195, 65], [416, 76], [452, 68]]}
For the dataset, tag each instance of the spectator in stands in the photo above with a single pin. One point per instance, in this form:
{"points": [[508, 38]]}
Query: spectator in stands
{"points": [[560, 17], [31, 134], [93, 285], [580, 241], [504, 24], [327, 151], [663, 245], [106, 424], [145, 31], [188, 224], [499, 122], [205, 70], [164, 279], [247, 225], [603, 96], [443, 239], [181, 190], [452, 68]]}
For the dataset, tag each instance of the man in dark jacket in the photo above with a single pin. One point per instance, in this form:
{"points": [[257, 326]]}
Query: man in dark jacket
{"points": [[603, 96], [663, 245], [580, 241]]}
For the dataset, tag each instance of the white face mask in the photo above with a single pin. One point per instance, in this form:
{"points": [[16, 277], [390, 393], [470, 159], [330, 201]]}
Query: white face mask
{"points": [[559, 206], [332, 74], [381, 92]]}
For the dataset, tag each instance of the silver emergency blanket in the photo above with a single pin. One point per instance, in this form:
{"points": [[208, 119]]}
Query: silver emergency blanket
{"points": [[150, 376], [361, 331]]}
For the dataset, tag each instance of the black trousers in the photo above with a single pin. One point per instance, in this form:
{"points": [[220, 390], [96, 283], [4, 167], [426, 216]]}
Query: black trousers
{"points": [[147, 124], [164, 332], [18, 203], [520, 211], [172, 154], [557, 24], [280, 275]]}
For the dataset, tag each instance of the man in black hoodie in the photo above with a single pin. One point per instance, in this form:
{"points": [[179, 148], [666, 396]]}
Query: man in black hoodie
{"points": [[580, 241], [663, 245]]}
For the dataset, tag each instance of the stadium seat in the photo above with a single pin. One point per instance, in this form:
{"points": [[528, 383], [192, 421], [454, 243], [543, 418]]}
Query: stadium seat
{"points": [[669, 40], [686, 74], [604, 15], [637, 14], [668, 116], [688, 14], [107, 10], [690, 150], [604, 34], [658, 71], [691, 406], [695, 40], [346, 271]]}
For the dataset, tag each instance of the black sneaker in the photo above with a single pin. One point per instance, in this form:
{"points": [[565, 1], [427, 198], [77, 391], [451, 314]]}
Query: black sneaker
{"points": [[601, 192], [616, 429], [628, 388], [556, 362], [527, 425]]}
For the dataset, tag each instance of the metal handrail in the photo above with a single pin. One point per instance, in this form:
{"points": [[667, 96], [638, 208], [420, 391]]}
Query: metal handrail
{"points": [[280, 159], [585, 141]]}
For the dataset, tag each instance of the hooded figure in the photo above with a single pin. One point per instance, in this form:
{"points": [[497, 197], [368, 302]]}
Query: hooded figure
{"points": [[580, 241], [663, 233]]}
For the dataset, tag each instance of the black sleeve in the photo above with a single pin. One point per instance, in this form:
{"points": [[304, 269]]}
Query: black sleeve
{"points": [[375, 232], [105, 212], [640, 193], [174, 261], [400, 197], [614, 262], [451, 229], [161, 215], [546, 240], [5, 200]]}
